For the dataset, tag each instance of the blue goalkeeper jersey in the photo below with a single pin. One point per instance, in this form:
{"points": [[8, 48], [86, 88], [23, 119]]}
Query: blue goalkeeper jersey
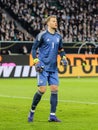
{"points": [[48, 46]]}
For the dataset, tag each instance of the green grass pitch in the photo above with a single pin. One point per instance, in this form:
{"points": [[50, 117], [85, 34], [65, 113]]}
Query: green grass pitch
{"points": [[77, 106]]}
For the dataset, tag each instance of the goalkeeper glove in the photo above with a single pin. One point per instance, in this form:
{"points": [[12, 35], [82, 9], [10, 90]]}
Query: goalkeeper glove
{"points": [[38, 67], [36, 60], [63, 61]]}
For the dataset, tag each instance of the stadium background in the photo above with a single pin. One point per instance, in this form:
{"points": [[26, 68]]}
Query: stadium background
{"points": [[20, 22]]}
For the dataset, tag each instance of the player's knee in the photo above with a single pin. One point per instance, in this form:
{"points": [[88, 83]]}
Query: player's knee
{"points": [[42, 89], [54, 88]]}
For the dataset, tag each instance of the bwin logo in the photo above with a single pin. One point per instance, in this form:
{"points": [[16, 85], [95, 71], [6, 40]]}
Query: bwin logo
{"points": [[17, 71]]}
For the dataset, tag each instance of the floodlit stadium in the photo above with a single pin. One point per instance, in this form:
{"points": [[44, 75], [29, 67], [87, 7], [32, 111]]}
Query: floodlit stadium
{"points": [[33, 48]]}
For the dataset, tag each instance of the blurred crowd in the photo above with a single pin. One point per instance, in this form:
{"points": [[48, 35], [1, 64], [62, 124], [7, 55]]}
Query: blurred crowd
{"points": [[9, 30], [77, 19]]}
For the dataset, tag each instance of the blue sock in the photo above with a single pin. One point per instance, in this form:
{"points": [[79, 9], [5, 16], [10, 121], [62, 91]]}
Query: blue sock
{"points": [[53, 101], [36, 99]]}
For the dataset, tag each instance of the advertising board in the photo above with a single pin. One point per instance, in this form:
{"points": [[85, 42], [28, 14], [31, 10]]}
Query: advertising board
{"points": [[79, 65]]}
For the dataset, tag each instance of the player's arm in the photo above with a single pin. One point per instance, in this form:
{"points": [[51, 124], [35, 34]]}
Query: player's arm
{"points": [[62, 53], [35, 47]]}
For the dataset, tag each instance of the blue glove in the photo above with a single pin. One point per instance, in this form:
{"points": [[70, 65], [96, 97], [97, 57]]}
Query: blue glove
{"points": [[63, 61], [39, 68]]}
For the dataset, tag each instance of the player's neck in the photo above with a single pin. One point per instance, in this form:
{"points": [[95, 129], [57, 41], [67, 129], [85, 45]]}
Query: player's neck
{"points": [[51, 30]]}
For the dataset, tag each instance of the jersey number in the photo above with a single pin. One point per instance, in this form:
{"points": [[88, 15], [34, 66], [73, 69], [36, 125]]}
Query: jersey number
{"points": [[52, 45]]}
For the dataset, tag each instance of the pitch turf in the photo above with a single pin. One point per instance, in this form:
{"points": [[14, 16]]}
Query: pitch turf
{"points": [[77, 107]]}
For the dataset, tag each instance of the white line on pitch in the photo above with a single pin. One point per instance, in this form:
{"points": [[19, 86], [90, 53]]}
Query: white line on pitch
{"points": [[65, 101]]}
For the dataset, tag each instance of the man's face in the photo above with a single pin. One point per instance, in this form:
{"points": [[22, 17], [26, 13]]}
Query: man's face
{"points": [[52, 23]]}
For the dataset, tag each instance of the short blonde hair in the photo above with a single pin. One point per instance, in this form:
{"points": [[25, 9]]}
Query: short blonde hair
{"points": [[48, 18]]}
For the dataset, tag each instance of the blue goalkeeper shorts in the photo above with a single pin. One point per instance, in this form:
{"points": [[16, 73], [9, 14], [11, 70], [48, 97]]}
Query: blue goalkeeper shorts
{"points": [[47, 77]]}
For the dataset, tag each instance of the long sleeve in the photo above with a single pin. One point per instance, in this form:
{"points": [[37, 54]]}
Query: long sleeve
{"points": [[61, 49], [35, 46]]}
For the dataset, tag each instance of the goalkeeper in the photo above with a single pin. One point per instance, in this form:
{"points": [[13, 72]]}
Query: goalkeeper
{"points": [[49, 44]]}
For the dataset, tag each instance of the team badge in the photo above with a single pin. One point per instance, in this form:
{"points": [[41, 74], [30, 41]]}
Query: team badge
{"points": [[57, 39]]}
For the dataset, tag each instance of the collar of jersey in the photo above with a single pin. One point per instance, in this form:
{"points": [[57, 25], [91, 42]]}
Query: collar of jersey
{"points": [[51, 33]]}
